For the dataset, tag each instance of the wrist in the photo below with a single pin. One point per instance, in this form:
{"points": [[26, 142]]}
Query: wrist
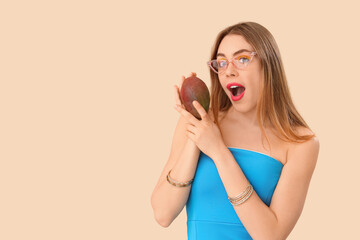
{"points": [[220, 153], [191, 144]]}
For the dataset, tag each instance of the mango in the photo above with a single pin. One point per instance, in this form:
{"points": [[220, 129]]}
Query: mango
{"points": [[193, 88]]}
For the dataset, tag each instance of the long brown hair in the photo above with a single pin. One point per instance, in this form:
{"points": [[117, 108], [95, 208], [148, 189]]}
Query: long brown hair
{"points": [[274, 104]]}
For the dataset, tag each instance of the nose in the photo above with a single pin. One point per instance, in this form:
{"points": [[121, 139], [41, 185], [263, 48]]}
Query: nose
{"points": [[231, 70]]}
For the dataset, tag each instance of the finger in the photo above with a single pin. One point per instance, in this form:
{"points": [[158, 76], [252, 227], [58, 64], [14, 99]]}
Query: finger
{"points": [[191, 136], [188, 116], [177, 92], [182, 81], [191, 128], [177, 95], [203, 114]]}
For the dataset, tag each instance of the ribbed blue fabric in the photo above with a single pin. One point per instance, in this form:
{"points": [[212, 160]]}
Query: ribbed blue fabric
{"points": [[210, 215]]}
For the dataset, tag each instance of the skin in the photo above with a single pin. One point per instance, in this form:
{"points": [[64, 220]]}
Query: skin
{"points": [[239, 124], [243, 112], [240, 127]]}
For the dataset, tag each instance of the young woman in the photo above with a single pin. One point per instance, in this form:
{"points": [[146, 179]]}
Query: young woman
{"points": [[244, 169]]}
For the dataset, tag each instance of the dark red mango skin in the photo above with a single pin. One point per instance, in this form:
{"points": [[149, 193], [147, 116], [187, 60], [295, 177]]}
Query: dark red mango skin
{"points": [[193, 88]]}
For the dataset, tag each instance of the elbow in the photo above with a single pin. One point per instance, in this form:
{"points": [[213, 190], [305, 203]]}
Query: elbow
{"points": [[160, 219], [163, 222]]}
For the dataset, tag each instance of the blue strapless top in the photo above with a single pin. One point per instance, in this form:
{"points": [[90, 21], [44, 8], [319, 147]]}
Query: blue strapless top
{"points": [[210, 215]]}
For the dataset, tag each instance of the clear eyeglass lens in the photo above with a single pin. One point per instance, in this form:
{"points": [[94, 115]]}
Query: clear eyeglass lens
{"points": [[222, 64], [240, 62], [215, 65]]}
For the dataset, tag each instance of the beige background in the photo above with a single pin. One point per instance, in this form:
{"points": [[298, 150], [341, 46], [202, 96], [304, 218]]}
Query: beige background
{"points": [[87, 112]]}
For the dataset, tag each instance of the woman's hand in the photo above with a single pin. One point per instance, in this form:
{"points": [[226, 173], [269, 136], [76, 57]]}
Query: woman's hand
{"points": [[204, 133], [177, 91]]}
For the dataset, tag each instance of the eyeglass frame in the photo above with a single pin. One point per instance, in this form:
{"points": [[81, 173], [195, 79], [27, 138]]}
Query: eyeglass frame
{"points": [[231, 61]]}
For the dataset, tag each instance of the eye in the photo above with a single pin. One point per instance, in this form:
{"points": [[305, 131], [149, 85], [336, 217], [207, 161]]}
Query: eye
{"points": [[222, 63], [243, 59]]}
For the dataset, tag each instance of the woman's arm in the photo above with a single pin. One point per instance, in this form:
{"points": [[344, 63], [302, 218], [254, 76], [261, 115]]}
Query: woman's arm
{"points": [[167, 200], [277, 221]]}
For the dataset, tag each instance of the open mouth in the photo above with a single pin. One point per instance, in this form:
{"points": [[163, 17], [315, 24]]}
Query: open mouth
{"points": [[236, 90]]}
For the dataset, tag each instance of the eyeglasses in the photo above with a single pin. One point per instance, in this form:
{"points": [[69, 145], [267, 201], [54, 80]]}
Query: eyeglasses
{"points": [[219, 66]]}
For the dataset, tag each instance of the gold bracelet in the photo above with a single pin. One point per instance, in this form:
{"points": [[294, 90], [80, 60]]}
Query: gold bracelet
{"points": [[176, 183], [242, 197]]}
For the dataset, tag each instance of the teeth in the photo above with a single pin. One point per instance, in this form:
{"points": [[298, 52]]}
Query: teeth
{"points": [[234, 86]]}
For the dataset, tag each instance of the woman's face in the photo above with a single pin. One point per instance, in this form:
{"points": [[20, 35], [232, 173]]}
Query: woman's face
{"points": [[250, 77]]}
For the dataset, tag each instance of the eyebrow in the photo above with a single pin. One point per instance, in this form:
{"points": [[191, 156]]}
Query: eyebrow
{"points": [[237, 52]]}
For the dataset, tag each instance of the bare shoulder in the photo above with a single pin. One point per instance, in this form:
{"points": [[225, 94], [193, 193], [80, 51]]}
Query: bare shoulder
{"points": [[308, 150]]}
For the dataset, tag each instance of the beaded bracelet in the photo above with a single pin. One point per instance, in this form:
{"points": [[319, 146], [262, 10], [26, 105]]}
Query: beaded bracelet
{"points": [[242, 197], [243, 200], [176, 183]]}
